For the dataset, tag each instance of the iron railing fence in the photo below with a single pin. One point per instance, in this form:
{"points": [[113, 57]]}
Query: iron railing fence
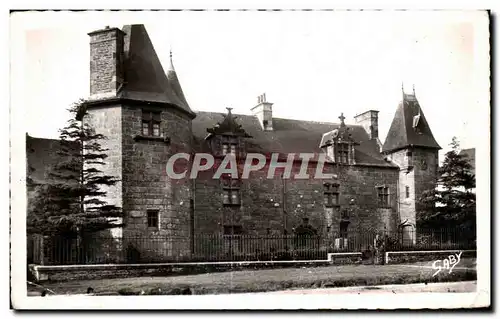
{"points": [[215, 247]]}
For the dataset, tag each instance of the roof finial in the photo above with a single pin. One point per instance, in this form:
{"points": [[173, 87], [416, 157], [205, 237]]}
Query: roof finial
{"points": [[229, 110], [342, 118], [171, 66], [413, 89]]}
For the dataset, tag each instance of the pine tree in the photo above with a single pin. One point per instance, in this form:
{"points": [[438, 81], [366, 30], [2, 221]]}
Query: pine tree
{"points": [[30, 182], [452, 203], [71, 202]]}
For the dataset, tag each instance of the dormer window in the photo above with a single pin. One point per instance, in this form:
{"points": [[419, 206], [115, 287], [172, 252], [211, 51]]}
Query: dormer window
{"points": [[151, 123], [416, 121], [225, 138], [343, 153], [229, 149]]}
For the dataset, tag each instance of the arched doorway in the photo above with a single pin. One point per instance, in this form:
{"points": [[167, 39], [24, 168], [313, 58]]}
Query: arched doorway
{"points": [[305, 238]]}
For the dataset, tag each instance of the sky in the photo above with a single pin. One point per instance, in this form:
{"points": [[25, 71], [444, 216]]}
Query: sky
{"points": [[311, 65]]}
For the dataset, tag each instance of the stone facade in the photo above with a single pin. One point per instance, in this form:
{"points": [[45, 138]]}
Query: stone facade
{"points": [[146, 184], [418, 173], [167, 218], [273, 207]]}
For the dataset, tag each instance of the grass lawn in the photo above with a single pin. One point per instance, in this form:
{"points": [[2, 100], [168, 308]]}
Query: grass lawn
{"points": [[271, 279]]}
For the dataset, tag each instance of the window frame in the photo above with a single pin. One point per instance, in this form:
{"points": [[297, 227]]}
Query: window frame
{"points": [[342, 153], [231, 186], [330, 192], [229, 148], [343, 229], [150, 119], [383, 197], [155, 218], [407, 191]]}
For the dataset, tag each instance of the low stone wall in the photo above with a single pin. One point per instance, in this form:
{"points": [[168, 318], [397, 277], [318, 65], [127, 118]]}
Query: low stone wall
{"points": [[344, 258], [398, 257], [86, 272]]}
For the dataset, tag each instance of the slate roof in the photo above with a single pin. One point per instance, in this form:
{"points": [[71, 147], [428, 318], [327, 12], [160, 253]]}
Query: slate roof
{"points": [[288, 136], [402, 133], [41, 154], [145, 78], [470, 153]]}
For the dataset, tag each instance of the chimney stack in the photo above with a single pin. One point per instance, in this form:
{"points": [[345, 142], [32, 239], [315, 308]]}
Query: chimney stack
{"points": [[106, 62], [264, 112], [369, 121]]}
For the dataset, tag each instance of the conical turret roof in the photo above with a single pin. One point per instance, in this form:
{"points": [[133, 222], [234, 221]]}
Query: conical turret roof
{"points": [[409, 127], [145, 78]]}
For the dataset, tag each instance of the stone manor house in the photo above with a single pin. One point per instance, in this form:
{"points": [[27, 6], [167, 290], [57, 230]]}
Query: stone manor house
{"points": [[141, 108]]}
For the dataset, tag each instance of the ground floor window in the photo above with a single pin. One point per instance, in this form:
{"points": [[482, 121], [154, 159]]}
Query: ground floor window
{"points": [[153, 217], [233, 230], [383, 196], [343, 229]]}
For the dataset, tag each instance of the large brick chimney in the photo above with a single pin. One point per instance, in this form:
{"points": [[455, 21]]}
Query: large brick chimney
{"points": [[106, 62], [369, 121]]}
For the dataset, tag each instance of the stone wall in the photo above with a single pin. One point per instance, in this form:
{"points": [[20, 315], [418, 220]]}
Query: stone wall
{"points": [[425, 172], [89, 272], [269, 206], [419, 177], [106, 58], [146, 185], [416, 256], [107, 121]]}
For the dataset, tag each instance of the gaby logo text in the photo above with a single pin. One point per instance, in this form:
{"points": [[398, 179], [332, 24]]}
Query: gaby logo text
{"points": [[446, 264]]}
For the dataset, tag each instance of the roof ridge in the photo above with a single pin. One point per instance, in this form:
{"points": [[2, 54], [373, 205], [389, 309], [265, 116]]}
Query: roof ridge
{"points": [[280, 118], [405, 128], [43, 138]]}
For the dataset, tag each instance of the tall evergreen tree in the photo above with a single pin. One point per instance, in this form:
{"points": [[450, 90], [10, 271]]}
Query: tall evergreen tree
{"points": [[452, 203], [71, 202]]}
